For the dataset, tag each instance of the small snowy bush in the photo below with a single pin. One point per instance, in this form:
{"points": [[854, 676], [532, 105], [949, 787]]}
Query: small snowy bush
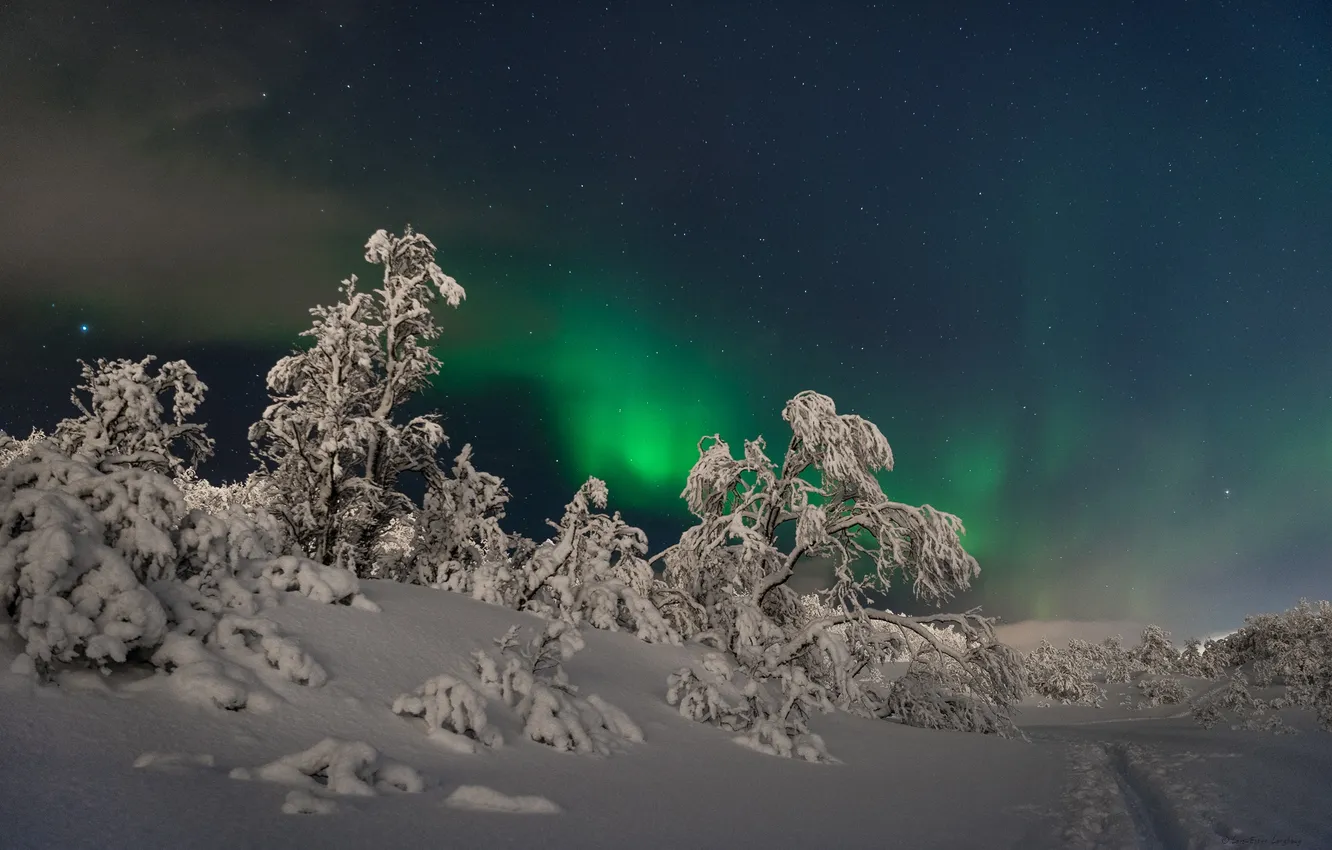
{"points": [[724, 695], [452, 710], [329, 585], [98, 564], [531, 679], [459, 544], [13, 449], [974, 694], [1163, 691], [197, 674], [257, 639]]}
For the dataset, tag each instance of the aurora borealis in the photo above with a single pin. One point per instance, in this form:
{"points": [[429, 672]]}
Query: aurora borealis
{"points": [[1073, 259]]}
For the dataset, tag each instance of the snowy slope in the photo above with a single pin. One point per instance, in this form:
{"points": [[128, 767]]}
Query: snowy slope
{"points": [[68, 753]]}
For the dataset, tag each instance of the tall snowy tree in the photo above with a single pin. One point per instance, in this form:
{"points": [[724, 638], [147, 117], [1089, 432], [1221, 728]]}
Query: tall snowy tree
{"points": [[123, 423], [329, 440], [728, 578]]}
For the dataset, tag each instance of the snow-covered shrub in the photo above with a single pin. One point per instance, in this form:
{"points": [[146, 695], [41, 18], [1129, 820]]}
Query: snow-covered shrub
{"points": [[1162, 691], [699, 697], [248, 505], [122, 422], [1077, 674], [331, 445], [346, 768], [1065, 676], [531, 679], [919, 699], [722, 694], [213, 548], [259, 639], [1234, 705], [12, 448], [452, 710], [971, 691], [197, 674], [394, 551], [329, 585], [727, 580], [76, 546], [593, 571], [100, 562]]}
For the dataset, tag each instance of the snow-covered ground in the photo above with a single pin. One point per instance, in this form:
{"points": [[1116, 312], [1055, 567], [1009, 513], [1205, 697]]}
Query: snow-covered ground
{"points": [[126, 761]]}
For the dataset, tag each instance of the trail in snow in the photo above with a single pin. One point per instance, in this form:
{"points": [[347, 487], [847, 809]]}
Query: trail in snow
{"points": [[1187, 787]]}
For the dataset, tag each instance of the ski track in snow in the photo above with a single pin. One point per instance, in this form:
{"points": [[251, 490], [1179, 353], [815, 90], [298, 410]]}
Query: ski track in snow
{"points": [[1180, 786]]}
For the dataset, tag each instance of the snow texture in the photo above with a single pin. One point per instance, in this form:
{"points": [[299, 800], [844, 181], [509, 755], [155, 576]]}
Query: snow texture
{"points": [[482, 799], [302, 802]]}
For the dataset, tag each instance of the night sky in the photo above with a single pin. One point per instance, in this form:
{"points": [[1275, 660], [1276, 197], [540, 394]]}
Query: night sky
{"points": [[1072, 258]]}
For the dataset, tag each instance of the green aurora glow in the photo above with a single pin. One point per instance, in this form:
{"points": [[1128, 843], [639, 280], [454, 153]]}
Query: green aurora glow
{"points": [[1084, 293]]}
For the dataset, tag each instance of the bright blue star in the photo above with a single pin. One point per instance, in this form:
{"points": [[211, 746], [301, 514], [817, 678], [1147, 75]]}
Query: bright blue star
{"points": [[83, 328]]}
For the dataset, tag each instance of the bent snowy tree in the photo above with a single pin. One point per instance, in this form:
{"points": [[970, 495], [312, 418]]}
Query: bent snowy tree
{"points": [[727, 580]]}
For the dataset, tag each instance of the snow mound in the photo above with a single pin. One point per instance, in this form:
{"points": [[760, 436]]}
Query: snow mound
{"points": [[330, 585], [348, 768], [300, 802], [172, 762], [482, 799], [196, 674]]}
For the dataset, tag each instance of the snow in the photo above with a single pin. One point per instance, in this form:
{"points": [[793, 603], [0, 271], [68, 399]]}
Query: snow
{"points": [[483, 799], [145, 758]]}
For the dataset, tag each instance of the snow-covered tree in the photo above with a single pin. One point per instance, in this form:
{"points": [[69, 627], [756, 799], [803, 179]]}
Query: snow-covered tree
{"points": [[459, 544], [329, 439], [593, 571], [1155, 653], [1067, 676], [122, 421], [13, 449], [1202, 660], [1292, 649], [728, 577]]}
